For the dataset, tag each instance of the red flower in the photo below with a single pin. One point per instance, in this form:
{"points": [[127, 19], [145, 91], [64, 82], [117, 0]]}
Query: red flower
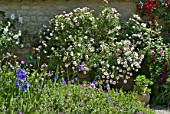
{"points": [[145, 5], [138, 6], [167, 1], [153, 16], [154, 25], [156, 5], [150, 1], [149, 8], [144, 14]]}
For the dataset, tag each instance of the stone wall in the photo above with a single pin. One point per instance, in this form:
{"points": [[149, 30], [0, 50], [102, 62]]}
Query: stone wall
{"points": [[35, 13]]}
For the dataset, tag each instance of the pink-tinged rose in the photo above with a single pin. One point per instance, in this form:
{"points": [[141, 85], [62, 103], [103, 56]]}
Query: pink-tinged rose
{"points": [[166, 7], [15, 56], [128, 69], [152, 52], [23, 62], [125, 81], [162, 53]]}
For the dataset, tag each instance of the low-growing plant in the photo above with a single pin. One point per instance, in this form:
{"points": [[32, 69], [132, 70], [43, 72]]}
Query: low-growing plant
{"points": [[23, 91], [143, 84]]}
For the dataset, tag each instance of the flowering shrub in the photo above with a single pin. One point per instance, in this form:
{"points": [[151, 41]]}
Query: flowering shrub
{"points": [[8, 37], [78, 40]]}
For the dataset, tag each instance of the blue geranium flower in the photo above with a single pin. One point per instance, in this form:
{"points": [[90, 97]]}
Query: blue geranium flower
{"points": [[21, 74], [26, 87], [95, 82], [10, 81], [97, 77]]}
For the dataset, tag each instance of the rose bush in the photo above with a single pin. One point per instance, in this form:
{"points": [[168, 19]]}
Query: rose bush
{"points": [[153, 10]]}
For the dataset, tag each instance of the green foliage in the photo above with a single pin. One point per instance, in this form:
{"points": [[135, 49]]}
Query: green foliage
{"points": [[142, 83]]}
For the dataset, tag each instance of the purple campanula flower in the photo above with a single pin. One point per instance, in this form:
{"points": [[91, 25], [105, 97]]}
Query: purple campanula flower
{"points": [[0, 69], [87, 94], [105, 91], [80, 68], [72, 81], [63, 81], [76, 78], [148, 105], [26, 87], [90, 86], [81, 85], [118, 94], [116, 107], [20, 112], [21, 74], [94, 98], [18, 84]]}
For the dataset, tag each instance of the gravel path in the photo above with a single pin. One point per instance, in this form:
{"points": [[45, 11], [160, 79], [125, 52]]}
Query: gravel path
{"points": [[161, 110]]}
